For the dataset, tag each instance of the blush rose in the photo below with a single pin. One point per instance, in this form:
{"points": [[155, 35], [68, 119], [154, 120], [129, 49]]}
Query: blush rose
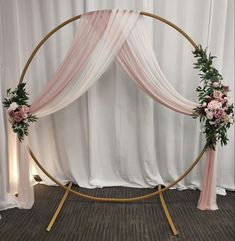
{"points": [[214, 104]]}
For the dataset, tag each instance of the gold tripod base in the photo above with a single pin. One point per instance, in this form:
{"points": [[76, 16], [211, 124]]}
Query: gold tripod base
{"points": [[60, 206]]}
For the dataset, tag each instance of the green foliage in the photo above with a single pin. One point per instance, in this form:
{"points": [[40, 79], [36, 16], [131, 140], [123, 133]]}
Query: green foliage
{"points": [[19, 95]]}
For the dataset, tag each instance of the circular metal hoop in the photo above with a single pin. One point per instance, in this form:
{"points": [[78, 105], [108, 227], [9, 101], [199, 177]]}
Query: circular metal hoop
{"points": [[99, 198]]}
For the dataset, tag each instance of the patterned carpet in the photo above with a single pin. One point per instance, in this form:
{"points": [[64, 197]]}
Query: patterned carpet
{"points": [[82, 220]]}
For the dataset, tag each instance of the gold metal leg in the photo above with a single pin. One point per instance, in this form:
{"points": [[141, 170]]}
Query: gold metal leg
{"points": [[59, 208], [168, 216]]}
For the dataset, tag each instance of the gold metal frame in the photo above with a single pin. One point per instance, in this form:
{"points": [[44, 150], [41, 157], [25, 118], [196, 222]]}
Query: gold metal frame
{"points": [[99, 199]]}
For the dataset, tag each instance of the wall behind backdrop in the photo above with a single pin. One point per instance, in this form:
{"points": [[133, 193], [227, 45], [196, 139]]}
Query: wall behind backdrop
{"points": [[114, 134]]}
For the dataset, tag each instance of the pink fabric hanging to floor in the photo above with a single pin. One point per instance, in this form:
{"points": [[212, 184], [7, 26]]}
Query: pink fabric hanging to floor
{"points": [[101, 37], [207, 200]]}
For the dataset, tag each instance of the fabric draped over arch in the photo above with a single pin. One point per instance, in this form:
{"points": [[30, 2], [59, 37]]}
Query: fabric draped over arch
{"points": [[102, 37]]}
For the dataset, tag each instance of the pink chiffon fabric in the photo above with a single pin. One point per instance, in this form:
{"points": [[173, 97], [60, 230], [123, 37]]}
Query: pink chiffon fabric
{"points": [[207, 199], [102, 37]]}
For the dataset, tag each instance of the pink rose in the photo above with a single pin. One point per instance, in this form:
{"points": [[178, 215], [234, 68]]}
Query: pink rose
{"points": [[12, 114], [226, 88], [219, 114], [215, 84], [24, 115], [221, 100], [217, 94], [25, 109], [228, 101], [214, 104], [18, 117]]}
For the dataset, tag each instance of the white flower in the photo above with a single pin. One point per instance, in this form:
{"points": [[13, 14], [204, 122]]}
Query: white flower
{"points": [[204, 104], [12, 106], [215, 84], [209, 115]]}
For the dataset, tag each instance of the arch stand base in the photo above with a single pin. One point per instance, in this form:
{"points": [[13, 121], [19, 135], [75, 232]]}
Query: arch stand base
{"points": [[163, 203], [119, 200]]}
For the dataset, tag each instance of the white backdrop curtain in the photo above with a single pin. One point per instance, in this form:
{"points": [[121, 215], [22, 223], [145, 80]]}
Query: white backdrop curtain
{"points": [[114, 134]]}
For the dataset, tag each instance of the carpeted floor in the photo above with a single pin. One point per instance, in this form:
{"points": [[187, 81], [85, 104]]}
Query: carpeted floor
{"points": [[82, 220]]}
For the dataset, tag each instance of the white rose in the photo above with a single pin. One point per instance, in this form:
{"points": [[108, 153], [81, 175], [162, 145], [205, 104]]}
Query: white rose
{"points": [[13, 106], [215, 84], [209, 115], [204, 104]]}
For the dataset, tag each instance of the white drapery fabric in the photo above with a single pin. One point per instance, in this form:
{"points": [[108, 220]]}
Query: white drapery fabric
{"points": [[6, 198], [138, 54], [146, 135]]}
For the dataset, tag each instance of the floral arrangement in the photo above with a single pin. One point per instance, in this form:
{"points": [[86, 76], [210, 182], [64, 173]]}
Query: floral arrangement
{"points": [[18, 110], [215, 109]]}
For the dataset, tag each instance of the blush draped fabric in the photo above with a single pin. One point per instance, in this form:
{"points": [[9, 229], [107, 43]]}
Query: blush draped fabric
{"points": [[207, 198], [104, 36], [99, 37]]}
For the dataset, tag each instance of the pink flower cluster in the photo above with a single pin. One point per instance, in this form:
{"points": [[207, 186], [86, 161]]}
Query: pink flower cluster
{"points": [[18, 113], [216, 106]]}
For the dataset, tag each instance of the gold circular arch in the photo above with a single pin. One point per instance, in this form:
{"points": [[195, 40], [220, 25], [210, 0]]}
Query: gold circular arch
{"points": [[100, 199]]}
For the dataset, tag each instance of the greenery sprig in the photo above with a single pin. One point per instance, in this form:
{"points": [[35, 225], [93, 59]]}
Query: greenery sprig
{"points": [[215, 109], [18, 110]]}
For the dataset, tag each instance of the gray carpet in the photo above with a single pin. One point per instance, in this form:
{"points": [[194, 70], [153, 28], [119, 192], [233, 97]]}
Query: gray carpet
{"points": [[82, 220]]}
